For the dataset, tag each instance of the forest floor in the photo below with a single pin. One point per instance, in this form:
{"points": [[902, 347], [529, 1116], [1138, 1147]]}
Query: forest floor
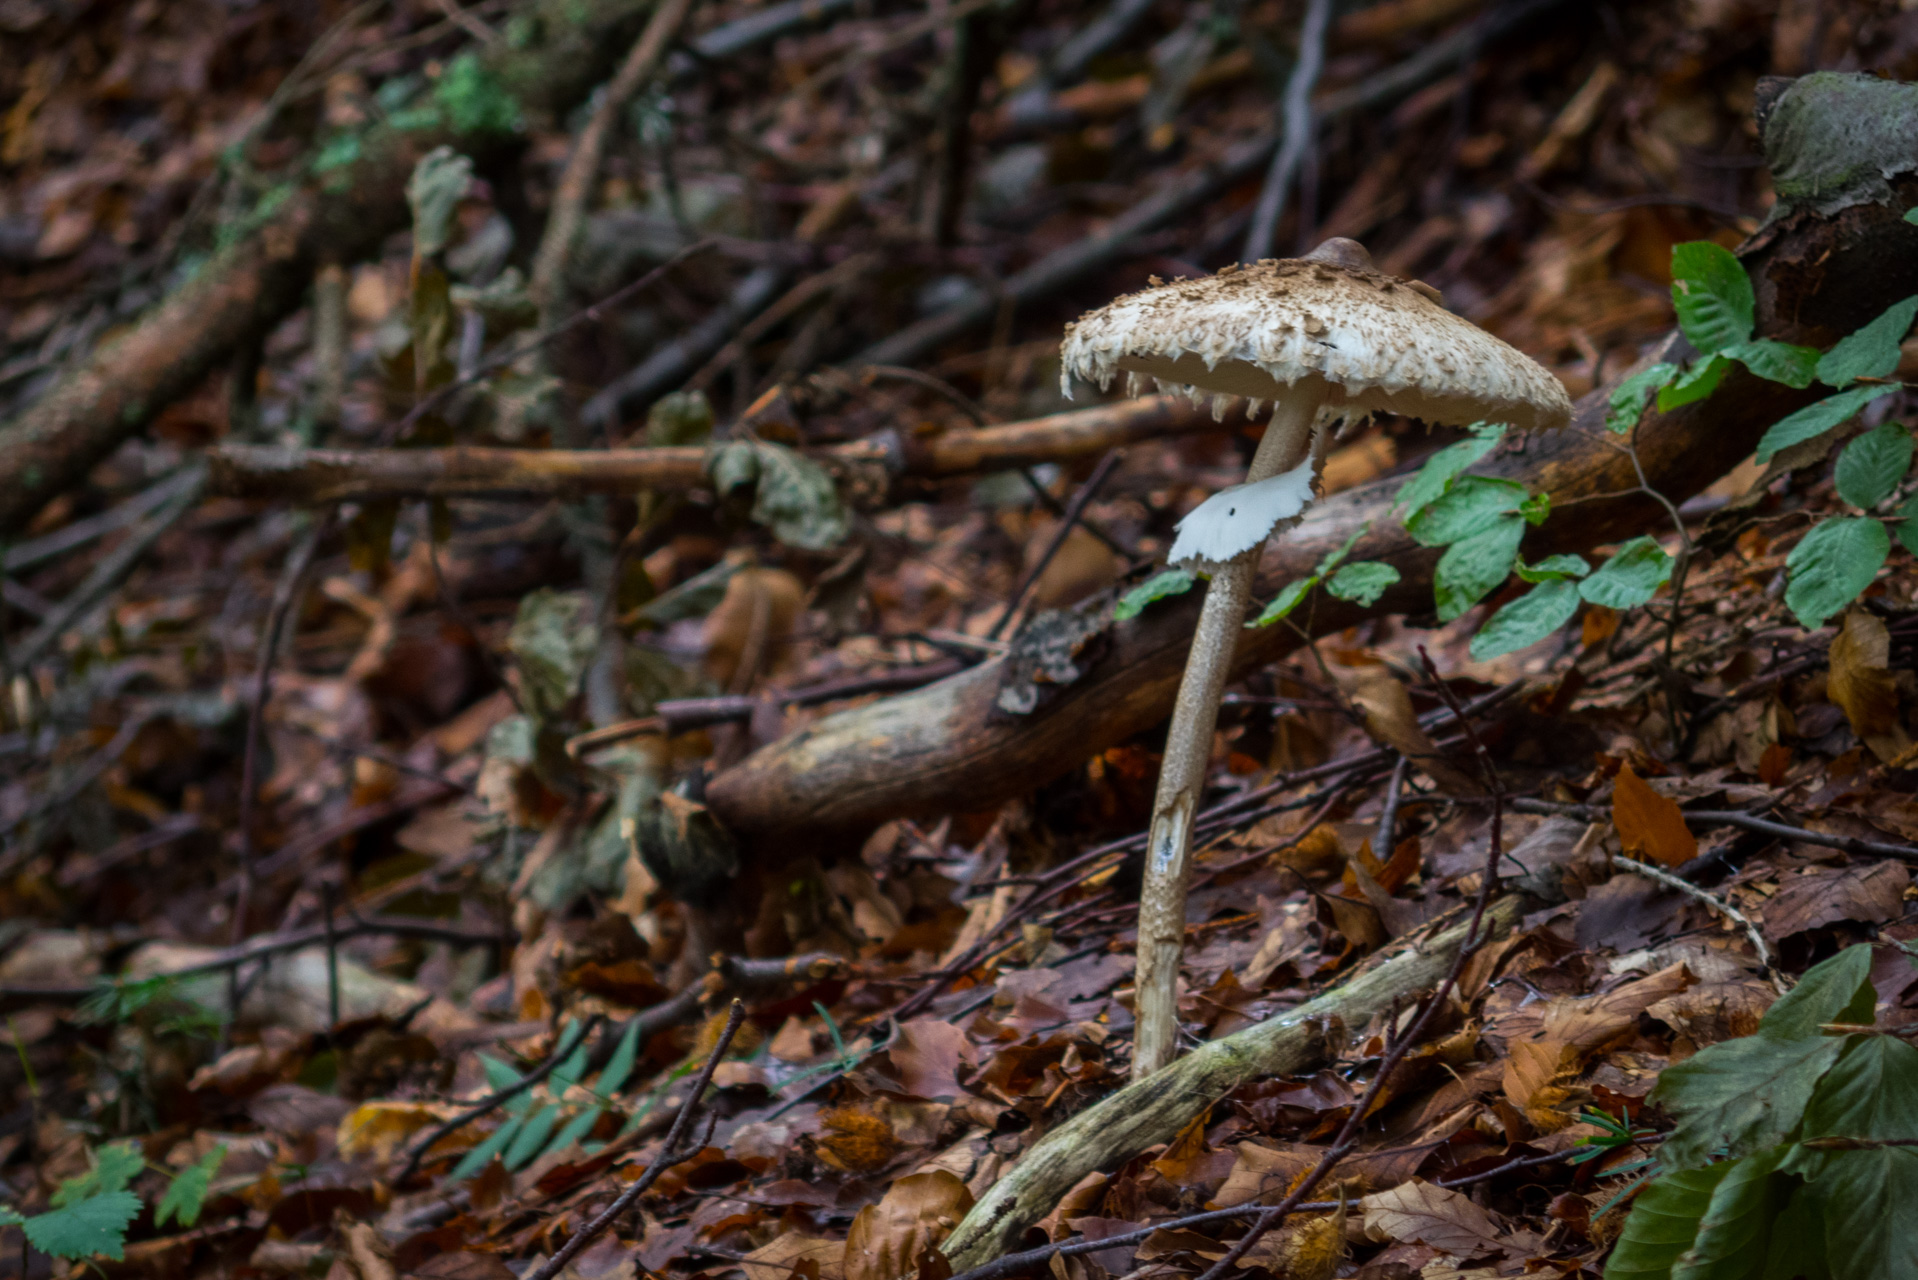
{"points": [[355, 870]]}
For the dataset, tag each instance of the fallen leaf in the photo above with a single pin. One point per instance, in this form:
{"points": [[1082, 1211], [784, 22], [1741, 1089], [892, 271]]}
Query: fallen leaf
{"points": [[888, 1240], [1420, 1213], [1389, 718], [1861, 684], [1649, 823], [927, 1055], [790, 1254], [1870, 894], [377, 1129]]}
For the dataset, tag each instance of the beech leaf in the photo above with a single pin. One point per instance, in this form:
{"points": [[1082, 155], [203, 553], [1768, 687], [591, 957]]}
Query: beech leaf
{"points": [[1648, 823]]}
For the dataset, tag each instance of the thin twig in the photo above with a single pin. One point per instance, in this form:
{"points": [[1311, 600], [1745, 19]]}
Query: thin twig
{"points": [[1300, 128], [1717, 904], [669, 1155], [1389, 819]]}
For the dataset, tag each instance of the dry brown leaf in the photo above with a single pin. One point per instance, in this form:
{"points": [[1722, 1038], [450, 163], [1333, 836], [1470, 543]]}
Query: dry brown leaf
{"points": [[1871, 894], [1532, 1066], [927, 1055], [854, 1141], [1389, 718], [782, 1257], [888, 1240], [1861, 684], [1421, 1213], [747, 633], [1649, 823]]}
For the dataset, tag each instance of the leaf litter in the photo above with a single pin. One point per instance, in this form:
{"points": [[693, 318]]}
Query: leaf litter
{"points": [[483, 995]]}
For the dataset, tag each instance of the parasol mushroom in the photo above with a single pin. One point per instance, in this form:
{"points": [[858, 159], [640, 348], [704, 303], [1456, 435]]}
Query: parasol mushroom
{"points": [[1324, 336]]}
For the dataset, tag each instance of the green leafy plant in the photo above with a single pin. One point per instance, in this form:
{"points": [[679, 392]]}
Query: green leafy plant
{"points": [[88, 1215], [1795, 1151], [1480, 521], [533, 1124]]}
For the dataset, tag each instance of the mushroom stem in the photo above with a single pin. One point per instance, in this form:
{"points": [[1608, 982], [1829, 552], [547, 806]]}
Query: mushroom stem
{"points": [[1188, 750]]}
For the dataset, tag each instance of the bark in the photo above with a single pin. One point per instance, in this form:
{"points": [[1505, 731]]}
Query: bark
{"points": [[945, 748], [333, 475], [343, 214]]}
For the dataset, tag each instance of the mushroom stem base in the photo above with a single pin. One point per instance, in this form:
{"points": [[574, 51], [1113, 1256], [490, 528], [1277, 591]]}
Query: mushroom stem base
{"points": [[1188, 750]]}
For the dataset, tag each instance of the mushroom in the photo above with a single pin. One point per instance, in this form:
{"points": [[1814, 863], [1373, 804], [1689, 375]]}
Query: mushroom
{"points": [[1324, 336]]}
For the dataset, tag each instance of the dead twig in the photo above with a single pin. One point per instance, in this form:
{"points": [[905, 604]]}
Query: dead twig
{"points": [[1716, 903]]}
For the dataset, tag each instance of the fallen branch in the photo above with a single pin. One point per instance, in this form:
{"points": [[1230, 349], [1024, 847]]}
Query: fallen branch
{"points": [[335, 475], [1118, 1128], [948, 748]]}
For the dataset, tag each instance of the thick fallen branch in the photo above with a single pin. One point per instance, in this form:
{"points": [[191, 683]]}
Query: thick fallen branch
{"points": [[332, 475], [948, 748], [1118, 1128]]}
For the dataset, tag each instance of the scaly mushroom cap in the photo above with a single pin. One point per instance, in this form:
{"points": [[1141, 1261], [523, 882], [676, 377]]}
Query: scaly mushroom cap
{"points": [[1383, 343]]}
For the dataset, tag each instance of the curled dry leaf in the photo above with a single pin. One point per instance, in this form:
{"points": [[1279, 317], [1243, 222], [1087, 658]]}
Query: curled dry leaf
{"points": [[1389, 718], [900, 1236]]}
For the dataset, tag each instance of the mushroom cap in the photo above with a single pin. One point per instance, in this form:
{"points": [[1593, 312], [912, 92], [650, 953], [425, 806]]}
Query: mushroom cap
{"points": [[1383, 343]]}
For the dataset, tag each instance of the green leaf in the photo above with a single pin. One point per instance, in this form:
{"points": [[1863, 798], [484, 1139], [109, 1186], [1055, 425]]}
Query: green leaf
{"points": [[532, 1136], [498, 1074], [433, 192], [1832, 565], [620, 1065], [83, 1228], [1169, 582], [1663, 1223], [476, 1159], [1436, 475], [1837, 989], [567, 1073], [1364, 581], [1536, 508], [1555, 569], [1626, 404], [1867, 1195], [793, 496], [186, 1194], [1872, 465], [1745, 1094], [552, 641], [1816, 419], [1285, 602], [1470, 569], [10, 1217], [1908, 526], [476, 100], [681, 417], [1870, 352], [1333, 559], [1631, 577], [576, 1128], [1712, 294], [1695, 383], [113, 1167], [1871, 1093], [1751, 1093], [1777, 361], [1734, 1236], [1472, 505], [1528, 619], [1911, 215], [1798, 1240]]}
